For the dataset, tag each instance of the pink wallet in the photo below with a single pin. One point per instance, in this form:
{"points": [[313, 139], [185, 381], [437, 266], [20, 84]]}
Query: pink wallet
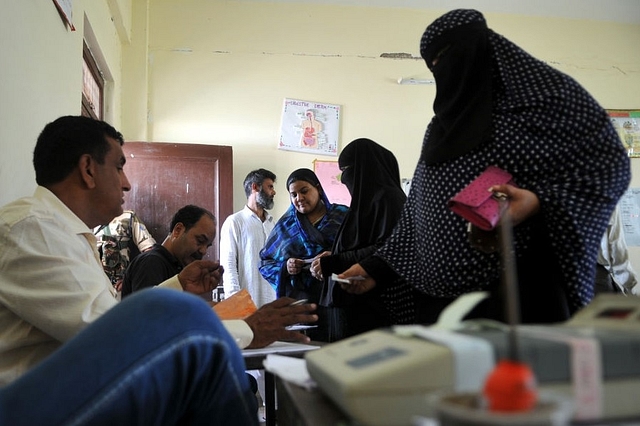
{"points": [[476, 204]]}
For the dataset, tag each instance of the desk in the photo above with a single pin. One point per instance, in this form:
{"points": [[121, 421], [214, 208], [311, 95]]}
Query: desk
{"points": [[253, 360], [300, 407]]}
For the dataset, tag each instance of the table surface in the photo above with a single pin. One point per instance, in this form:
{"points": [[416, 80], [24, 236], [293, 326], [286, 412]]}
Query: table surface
{"points": [[253, 360], [299, 407]]}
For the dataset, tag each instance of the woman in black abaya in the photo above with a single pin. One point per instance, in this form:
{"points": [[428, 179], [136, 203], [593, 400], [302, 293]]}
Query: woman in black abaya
{"points": [[371, 174], [496, 105]]}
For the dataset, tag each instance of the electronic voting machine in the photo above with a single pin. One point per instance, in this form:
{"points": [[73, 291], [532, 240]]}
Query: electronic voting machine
{"points": [[386, 377]]}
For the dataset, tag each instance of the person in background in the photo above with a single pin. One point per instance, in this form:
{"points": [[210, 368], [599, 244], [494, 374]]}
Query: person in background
{"points": [[496, 105], [306, 230], [614, 272], [52, 284], [242, 236], [192, 231], [371, 174], [119, 242]]}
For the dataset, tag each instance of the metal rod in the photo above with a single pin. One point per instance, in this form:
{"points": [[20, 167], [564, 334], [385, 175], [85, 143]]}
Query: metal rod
{"points": [[509, 277]]}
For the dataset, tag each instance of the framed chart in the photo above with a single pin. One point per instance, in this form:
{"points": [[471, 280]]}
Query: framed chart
{"points": [[627, 124], [311, 127]]}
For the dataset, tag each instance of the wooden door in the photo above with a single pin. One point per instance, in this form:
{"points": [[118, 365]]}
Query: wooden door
{"points": [[167, 176]]}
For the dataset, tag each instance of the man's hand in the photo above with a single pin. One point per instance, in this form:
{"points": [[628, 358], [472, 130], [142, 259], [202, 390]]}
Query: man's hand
{"points": [[270, 321], [200, 276], [357, 286]]}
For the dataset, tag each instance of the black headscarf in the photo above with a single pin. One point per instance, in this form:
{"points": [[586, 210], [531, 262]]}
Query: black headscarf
{"points": [[555, 140], [307, 175], [295, 236], [371, 174], [462, 73]]}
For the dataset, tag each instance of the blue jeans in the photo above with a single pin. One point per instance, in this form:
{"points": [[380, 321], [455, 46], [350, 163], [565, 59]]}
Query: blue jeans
{"points": [[160, 357]]}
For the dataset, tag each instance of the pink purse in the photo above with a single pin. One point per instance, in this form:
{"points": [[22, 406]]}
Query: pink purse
{"points": [[476, 204]]}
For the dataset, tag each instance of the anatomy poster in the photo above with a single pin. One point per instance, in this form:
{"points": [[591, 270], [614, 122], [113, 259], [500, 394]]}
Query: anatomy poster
{"points": [[311, 127]]}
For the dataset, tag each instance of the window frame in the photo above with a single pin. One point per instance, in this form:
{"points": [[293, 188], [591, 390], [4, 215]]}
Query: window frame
{"points": [[88, 107]]}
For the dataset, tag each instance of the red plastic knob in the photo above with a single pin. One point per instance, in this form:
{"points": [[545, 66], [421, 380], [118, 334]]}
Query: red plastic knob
{"points": [[511, 387]]}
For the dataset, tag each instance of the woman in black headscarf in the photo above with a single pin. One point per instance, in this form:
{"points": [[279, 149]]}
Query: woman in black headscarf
{"points": [[371, 174], [307, 229], [497, 105]]}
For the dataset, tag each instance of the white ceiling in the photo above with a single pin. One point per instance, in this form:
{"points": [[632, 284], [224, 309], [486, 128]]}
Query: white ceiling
{"points": [[624, 11]]}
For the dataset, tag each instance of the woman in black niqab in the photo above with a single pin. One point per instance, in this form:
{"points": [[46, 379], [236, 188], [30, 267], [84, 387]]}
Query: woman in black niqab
{"points": [[371, 174], [496, 105]]}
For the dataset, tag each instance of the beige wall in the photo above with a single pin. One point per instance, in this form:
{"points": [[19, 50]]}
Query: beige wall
{"points": [[216, 72], [41, 76], [219, 72]]}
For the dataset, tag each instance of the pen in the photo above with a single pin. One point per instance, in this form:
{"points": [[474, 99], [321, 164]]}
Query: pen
{"points": [[299, 302]]}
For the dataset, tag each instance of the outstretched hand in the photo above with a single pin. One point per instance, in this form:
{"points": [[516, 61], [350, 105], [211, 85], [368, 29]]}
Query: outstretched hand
{"points": [[270, 321], [357, 286], [201, 276]]}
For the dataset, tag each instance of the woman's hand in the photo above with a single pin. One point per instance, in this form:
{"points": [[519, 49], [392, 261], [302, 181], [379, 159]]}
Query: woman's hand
{"points": [[522, 203], [294, 266], [358, 286], [316, 269]]}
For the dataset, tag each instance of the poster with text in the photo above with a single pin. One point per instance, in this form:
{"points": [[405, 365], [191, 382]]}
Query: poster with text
{"points": [[311, 127], [629, 206], [329, 174], [627, 124]]}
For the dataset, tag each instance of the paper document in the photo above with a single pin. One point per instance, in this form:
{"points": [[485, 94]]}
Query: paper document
{"points": [[279, 347], [291, 369]]}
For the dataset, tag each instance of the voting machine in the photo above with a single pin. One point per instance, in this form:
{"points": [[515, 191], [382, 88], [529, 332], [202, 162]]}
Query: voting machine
{"points": [[386, 377]]}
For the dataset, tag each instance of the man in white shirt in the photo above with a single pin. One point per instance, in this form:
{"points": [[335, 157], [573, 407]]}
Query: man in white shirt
{"points": [[243, 235], [52, 284]]}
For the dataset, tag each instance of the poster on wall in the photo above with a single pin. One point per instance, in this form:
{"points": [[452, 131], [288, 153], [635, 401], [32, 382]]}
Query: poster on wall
{"points": [[629, 206], [329, 174], [311, 127], [627, 124]]}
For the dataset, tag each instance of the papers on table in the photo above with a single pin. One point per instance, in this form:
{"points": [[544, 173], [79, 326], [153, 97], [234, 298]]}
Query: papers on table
{"points": [[279, 347], [290, 369]]}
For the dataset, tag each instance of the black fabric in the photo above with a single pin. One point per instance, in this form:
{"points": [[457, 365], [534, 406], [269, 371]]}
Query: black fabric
{"points": [[304, 174], [376, 194], [372, 176], [462, 105], [555, 140], [149, 269]]}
